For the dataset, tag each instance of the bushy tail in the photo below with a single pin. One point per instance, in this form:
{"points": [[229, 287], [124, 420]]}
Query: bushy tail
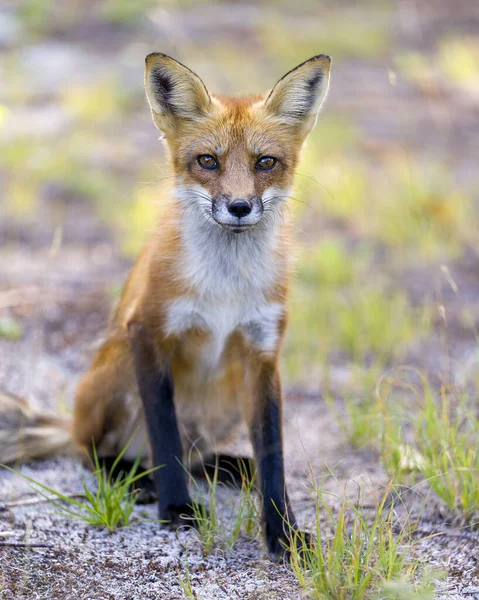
{"points": [[27, 432]]}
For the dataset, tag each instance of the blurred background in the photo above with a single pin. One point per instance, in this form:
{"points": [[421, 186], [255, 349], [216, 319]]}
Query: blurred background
{"points": [[385, 203]]}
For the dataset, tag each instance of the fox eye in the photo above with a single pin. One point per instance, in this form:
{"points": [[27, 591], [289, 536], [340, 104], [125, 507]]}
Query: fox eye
{"points": [[266, 163], [207, 161]]}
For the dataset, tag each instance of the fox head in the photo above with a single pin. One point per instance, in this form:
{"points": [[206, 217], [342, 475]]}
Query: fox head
{"points": [[234, 158]]}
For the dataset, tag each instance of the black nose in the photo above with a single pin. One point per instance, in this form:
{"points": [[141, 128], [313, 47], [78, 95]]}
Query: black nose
{"points": [[239, 208]]}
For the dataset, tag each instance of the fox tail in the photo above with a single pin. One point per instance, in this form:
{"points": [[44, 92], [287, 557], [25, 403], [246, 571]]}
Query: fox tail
{"points": [[27, 432]]}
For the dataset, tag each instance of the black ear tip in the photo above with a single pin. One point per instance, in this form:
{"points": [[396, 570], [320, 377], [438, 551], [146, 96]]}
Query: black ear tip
{"points": [[325, 57], [154, 55]]}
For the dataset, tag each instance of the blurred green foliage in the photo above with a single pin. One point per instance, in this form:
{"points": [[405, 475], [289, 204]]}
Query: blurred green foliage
{"points": [[343, 309], [395, 200], [422, 434], [10, 329]]}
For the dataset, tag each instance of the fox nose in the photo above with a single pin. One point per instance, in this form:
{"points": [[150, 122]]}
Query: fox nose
{"points": [[239, 208]]}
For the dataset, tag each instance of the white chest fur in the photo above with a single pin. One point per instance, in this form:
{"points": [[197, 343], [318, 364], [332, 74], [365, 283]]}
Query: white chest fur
{"points": [[229, 277], [259, 322]]}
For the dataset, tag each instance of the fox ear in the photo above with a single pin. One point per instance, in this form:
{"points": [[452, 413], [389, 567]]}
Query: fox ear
{"points": [[298, 96], [173, 91]]}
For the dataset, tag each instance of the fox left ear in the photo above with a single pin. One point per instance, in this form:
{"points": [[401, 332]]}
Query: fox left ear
{"points": [[298, 96], [173, 91]]}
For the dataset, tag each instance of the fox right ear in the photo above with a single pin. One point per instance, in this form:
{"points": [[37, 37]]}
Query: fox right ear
{"points": [[298, 96], [173, 91]]}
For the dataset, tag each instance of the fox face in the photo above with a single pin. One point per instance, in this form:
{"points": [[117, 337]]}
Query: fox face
{"points": [[234, 158]]}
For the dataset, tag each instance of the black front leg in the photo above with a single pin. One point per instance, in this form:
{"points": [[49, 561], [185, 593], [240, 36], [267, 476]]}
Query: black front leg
{"points": [[266, 433], [155, 384]]}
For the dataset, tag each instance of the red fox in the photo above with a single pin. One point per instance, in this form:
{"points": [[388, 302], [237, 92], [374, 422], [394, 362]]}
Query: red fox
{"points": [[193, 347]]}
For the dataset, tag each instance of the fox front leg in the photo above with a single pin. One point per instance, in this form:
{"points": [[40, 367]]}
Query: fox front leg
{"points": [[155, 384], [266, 433]]}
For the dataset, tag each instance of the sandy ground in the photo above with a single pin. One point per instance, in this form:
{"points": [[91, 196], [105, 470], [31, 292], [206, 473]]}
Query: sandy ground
{"points": [[143, 561]]}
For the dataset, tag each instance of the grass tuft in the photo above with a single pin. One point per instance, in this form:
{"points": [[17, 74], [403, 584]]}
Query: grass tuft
{"points": [[248, 514], [186, 584], [354, 558], [440, 441], [205, 513], [210, 530], [110, 506], [422, 433]]}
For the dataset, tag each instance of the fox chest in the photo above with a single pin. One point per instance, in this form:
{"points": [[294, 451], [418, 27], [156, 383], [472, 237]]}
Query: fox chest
{"points": [[212, 333]]}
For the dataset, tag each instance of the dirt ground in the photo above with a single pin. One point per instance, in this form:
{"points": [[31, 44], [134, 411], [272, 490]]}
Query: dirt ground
{"points": [[63, 303], [62, 299]]}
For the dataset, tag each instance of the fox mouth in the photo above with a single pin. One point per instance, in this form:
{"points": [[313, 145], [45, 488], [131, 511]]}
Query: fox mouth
{"points": [[235, 227]]}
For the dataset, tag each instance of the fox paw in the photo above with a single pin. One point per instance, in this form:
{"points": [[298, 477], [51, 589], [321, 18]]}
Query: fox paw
{"points": [[280, 546], [183, 515]]}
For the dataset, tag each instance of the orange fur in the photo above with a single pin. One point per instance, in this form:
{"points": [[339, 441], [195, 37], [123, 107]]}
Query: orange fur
{"points": [[213, 301], [211, 401]]}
